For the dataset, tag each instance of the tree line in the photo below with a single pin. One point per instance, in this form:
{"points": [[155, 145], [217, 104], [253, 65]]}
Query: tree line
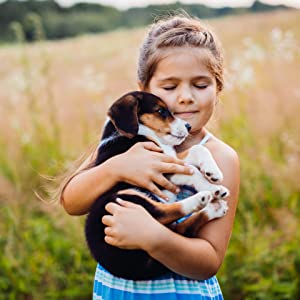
{"points": [[52, 21]]}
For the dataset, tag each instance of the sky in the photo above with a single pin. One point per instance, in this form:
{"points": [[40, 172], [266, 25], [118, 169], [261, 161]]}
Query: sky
{"points": [[124, 4]]}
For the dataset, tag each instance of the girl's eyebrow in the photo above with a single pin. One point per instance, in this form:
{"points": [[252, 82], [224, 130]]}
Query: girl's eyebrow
{"points": [[172, 78], [168, 79], [203, 77]]}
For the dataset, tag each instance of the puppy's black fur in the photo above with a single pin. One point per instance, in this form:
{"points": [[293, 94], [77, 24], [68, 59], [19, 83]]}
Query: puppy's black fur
{"points": [[129, 264]]}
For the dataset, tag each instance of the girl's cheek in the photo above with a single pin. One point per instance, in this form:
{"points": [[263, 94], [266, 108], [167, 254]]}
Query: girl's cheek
{"points": [[166, 96], [169, 101]]}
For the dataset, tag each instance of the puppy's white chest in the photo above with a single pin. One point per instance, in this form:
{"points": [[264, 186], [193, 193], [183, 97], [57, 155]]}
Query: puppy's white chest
{"points": [[169, 150]]}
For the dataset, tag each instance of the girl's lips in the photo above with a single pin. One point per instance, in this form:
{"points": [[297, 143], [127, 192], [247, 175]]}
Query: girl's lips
{"points": [[185, 115]]}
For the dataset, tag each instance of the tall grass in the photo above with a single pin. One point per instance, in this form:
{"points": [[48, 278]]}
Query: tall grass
{"points": [[54, 96]]}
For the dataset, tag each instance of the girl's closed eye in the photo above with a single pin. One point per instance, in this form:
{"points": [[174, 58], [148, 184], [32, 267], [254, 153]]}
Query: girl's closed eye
{"points": [[169, 88], [201, 86], [198, 86]]}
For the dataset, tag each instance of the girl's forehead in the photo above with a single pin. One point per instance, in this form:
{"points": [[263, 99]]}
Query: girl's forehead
{"points": [[183, 61]]}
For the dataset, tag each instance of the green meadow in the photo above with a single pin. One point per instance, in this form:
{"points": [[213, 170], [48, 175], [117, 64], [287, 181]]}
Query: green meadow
{"points": [[53, 101]]}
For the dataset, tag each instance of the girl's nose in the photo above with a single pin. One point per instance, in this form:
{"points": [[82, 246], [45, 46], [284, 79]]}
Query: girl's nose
{"points": [[185, 96]]}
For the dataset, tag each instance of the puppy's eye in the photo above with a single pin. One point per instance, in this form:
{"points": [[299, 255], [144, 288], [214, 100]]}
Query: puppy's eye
{"points": [[163, 112]]}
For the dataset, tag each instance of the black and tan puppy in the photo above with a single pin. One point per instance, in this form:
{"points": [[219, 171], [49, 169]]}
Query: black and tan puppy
{"points": [[138, 117]]}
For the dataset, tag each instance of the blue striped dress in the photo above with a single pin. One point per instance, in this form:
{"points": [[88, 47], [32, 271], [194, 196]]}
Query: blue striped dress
{"points": [[170, 286]]}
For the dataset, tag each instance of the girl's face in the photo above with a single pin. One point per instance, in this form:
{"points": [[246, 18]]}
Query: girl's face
{"points": [[184, 82]]}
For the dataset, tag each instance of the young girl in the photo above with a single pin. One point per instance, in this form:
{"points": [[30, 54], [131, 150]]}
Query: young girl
{"points": [[181, 62]]}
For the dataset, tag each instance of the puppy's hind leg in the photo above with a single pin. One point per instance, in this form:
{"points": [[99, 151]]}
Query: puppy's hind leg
{"points": [[195, 202], [191, 226], [167, 213]]}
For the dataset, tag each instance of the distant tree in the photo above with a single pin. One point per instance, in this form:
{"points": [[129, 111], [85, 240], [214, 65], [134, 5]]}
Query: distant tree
{"points": [[258, 6]]}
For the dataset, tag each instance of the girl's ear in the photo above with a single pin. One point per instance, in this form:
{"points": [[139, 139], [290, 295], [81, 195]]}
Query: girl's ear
{"points": [[123, 114]]}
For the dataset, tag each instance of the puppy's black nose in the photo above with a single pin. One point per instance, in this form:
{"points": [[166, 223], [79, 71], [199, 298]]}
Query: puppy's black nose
{"points": [[188, 126]]}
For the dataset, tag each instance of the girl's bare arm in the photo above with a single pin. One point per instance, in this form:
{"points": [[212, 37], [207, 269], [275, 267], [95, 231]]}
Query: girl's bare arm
{"points": [[201, 258], [142, 165], [197, 258], [82, 190]]}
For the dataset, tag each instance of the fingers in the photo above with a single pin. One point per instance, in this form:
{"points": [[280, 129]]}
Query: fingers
{"points": [[109, 231], [151, 146], [176, 165], [155, 190], [110, 240], [165, 158], [114, 242], [168, 185], [171, 159], [172, 168], [125, 203], [112, 207], [108, 220]]}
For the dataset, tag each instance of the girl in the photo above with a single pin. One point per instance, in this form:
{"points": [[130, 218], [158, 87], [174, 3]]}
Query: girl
{"points": [[181, 62]]}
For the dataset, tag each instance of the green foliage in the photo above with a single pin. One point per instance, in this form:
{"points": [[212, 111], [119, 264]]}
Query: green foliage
{"points": [[262, 261], [81, 18], [58, 26], [33, 27], [37, 260], [18, 32], [41, 258]]}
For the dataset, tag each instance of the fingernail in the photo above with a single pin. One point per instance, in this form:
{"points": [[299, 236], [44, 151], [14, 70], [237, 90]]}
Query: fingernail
{"points": [[177, 191], [119, 200], [191, 171], [164, 196]]}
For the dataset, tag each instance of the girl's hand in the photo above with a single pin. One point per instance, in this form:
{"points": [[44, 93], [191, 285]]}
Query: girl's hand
{"points": [[144, 164], [129, 226]]}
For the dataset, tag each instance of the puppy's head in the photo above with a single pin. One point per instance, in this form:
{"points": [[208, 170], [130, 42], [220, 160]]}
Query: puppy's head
{"points": [[140, 109]]}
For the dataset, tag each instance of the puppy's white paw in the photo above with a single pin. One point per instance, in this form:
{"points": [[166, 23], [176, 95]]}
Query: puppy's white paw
{"points": [[211, 171], [216, 209], [220, 191], [201, 157], [202, 199], [196, 202]]}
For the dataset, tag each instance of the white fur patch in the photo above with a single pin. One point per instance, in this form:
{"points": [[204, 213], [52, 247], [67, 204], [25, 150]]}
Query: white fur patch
{"points": [[196, 202], [216, 209], [201, 157], [148, 132]]}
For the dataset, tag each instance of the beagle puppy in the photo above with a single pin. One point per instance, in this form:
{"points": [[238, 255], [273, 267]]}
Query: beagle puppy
{"points": [[139, 117]]}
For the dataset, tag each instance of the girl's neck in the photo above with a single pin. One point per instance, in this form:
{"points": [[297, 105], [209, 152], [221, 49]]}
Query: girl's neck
{"points": [[191, 140]]}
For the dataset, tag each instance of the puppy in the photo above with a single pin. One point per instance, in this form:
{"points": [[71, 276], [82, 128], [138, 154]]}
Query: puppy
{"points": [[139, 117]]}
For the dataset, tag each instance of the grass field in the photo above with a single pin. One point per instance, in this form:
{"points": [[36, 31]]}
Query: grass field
{"points": [[53, 99]]}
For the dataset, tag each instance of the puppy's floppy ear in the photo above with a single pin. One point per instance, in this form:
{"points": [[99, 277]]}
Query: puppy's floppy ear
{"points": [[123, 114]]}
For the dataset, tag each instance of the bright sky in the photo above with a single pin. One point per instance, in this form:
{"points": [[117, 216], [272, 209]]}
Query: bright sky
{"points": [[124, 4]]}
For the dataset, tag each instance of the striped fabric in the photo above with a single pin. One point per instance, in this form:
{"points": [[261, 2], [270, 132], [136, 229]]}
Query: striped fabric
{"points": [[168, 287]]}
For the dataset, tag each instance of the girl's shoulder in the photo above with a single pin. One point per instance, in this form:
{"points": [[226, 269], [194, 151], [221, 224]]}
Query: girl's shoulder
{"points": [[224, 154], [228, 161]]}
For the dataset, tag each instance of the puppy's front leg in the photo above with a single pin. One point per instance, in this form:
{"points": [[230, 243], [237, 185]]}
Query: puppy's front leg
{"points": [[201, 157], [199, 183]]}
